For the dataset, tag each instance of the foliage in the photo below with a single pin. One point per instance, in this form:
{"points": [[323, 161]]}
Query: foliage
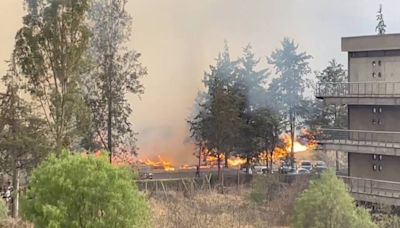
{"points": [[23, 137], [287, 91], [259, 125], [115, 72], [326, 203], [318, 114], [77, 191], [381, 26], [265, 188], [215, 124], [3, 210], [232, 116], [49, 50]]}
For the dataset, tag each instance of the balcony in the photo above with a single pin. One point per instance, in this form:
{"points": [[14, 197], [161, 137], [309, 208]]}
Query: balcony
{"points": [[360, 93], [360, 141], [375, 191]]}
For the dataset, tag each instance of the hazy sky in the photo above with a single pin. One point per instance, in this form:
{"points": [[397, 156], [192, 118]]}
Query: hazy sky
{"points": [[178, 39]]}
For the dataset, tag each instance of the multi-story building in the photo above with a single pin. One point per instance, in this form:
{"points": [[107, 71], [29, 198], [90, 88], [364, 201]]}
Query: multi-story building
{"points": [[372, 95]]}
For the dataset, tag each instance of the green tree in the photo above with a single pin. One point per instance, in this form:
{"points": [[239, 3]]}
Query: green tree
{"points": [[22, 135], [50, 49], [326, 203], [287, 90], [259, 126], [3, 210], [215, 125], [317, 113], [381, 26], [250, 82], [76, 191], [116, 72], [266, 125]]}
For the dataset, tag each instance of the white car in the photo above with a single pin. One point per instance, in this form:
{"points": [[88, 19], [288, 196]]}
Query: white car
{"points": [[303, 171]]}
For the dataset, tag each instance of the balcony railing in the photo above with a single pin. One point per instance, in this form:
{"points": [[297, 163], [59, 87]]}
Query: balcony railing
{"points": [[358, 89], [372, 187], [359, 137]]}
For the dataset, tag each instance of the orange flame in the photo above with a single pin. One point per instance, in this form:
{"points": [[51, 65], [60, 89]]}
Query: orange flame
{"points": [[160, 164]]}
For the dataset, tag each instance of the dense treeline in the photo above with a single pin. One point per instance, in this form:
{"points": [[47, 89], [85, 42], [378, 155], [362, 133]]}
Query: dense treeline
{"points": [[67, 82], [243, 110]]}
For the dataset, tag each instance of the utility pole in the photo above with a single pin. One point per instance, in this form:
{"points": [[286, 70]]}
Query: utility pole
{"points": [[109, 97]]}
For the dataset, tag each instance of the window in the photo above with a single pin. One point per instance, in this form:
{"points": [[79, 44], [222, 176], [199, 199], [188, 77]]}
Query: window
{"points": [[373, 122], [380, 109], [374, 167], [374, 156], [380, 168], [373, 63], [373, 74], [379, 63], [379, 74], [380, 157], [374, 110], [379, 122]]}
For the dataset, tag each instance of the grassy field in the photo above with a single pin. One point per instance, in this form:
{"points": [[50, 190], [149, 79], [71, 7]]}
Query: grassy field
{"points": [[267, 204]]}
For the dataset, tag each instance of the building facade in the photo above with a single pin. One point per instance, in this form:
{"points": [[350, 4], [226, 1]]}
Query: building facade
{"points": [[372, 95]]}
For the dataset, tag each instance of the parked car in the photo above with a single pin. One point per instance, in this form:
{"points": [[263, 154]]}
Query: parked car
{"points": [[287, 169], [305, 164], [320, 166], [303, 171], [260, 169], [145, 172]]}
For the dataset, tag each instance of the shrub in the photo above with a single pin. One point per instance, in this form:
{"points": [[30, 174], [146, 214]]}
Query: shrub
{"points": [[76, 191], [3, 210], [265, 188], [326, 203]]}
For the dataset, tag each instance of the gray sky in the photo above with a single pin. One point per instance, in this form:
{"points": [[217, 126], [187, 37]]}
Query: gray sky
{"points": [[178, 39]]}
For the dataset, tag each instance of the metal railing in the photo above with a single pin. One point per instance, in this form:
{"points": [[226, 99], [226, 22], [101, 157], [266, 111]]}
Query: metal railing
{"points": [[358, 89], [371, 186], [358, 136]]}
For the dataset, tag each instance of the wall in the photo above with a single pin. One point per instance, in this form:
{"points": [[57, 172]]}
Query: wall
{"points": [[361, 165]]}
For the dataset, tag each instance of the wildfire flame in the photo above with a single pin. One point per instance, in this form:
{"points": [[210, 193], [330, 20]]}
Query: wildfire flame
{"points": [[281, 152], [304, 142], [159, 164]]}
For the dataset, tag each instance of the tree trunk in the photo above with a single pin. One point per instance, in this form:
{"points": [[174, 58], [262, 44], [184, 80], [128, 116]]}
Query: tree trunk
{"points": [[226, 159], [15, 192], [14, 158], [337, 161], [292, 131], [109, 97], [247, 164], [219, 165]]}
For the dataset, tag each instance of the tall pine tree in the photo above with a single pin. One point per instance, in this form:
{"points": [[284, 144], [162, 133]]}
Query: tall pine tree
{"points": [[381, 26]]}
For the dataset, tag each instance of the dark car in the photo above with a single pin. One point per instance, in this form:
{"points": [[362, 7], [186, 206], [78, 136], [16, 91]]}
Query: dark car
{"points": [[320, 166], [305, 164]]}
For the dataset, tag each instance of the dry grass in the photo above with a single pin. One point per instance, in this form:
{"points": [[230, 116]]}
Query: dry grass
{"points": [[232, 209], [12, 223]]}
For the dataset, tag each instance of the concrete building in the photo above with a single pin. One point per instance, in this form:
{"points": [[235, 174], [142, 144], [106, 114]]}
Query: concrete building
{"points": [[372, 96]]}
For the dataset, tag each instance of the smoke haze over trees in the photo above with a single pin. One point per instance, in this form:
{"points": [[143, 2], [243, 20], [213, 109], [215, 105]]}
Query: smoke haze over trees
{"points": [[178, 48]]}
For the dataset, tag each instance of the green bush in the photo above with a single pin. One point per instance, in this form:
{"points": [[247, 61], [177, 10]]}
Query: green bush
{"points": [[3, 210], [326, 203], [76, 191]]}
